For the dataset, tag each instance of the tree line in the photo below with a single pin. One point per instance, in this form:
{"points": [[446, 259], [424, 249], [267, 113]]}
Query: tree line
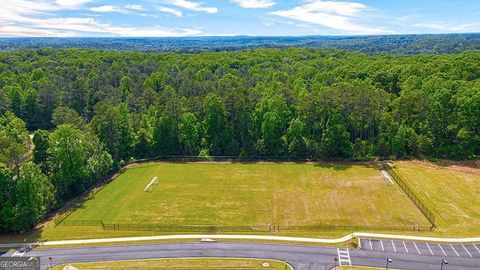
{"points": [[69, 117], [387, 44]]}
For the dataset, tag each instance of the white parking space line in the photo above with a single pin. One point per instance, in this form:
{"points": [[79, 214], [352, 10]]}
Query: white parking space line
{"points": [[467, 251], [429, 249], [381, 243], [442, 250], [405, 246], [394, 248], [18, 254], [371, 246], [458, 255], [476, 248], [418, 250]]}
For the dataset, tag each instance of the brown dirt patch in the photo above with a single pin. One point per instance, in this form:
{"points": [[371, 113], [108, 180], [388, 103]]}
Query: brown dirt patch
{"points": [[468, 166]]}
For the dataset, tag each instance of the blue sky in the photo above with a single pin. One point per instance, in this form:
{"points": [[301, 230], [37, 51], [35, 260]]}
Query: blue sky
{"points": [[160, 18]]}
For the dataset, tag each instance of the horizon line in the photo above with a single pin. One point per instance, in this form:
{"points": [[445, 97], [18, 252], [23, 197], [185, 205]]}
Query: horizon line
{"points": [[237, 36]]}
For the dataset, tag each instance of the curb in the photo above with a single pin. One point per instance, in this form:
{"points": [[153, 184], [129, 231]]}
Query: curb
{"points": [[187, 258], [249, 237]]}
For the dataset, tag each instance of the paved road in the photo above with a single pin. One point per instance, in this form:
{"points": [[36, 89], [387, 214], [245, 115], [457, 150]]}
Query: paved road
{"points": [[300, 257]]}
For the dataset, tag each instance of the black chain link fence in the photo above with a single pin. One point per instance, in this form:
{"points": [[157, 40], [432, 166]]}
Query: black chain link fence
{"points": [[63, 221], [411, 194], [233, 229]]}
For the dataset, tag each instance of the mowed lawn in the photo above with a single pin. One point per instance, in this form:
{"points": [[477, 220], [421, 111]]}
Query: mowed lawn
{"points": [[252, 194], [185, 264], [451, 192]]}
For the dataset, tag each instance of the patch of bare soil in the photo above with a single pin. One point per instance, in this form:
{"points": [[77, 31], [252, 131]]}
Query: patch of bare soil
{"points": [[468, 166]]}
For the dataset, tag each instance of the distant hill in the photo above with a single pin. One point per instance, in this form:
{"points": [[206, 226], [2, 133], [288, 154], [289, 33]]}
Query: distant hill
{"points": [[392, 44]]}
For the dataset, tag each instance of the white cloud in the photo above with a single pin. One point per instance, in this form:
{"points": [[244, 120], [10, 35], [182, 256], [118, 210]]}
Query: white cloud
{"points": [[69, 27], [255, 3], [72, 3], [193, 6], [90, 25], [17, 31], [108, 8], [134, 7], [127, 9], [418, 23], [152, 32], [342, 16], [40, 19], [441, 27], [173, 11], [14, 11]]}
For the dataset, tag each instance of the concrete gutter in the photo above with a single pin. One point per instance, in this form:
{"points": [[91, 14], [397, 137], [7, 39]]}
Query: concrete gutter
{"points": [[248, 237]]}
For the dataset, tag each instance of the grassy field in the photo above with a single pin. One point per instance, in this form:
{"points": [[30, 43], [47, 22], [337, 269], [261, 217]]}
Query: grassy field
{"points": [[452, 193], [235, 194], [177, 264]]}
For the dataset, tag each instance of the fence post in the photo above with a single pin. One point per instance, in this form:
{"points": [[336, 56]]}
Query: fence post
{"points": [[418, 203]]}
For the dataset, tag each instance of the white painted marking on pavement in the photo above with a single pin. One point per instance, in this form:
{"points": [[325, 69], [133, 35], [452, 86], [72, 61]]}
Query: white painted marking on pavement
{"points": [[405, 246], [371, 247], [418, 250], [467, 251], [458, 255], [476, 248], [394, 248], [349, 261], [381, 243], [442, 250], [343, 256], [18, 254], [339, 259], [429, 249]]}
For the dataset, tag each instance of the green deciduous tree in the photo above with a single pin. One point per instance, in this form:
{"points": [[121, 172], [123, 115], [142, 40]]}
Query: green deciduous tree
{"points": [[272, 115], [67, 160], [189, 133], [335, 141], [156, 81], [297, 147], [4, 103], [31, 110], [34, 197], [7, 199], [68, 116], [112, 124], [215, 124], [14, 141], [165, 139], [41, 140]]}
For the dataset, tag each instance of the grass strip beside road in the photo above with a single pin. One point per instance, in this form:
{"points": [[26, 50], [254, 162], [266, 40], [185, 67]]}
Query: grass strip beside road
{"points": [[185, 263]]}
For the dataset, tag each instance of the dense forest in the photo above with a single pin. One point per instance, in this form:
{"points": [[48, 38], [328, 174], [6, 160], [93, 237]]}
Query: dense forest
{"points": [[69, 117], [390, 44]]}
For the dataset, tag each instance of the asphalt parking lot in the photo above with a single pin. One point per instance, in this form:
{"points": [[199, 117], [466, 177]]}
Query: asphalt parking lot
{"points": [[422, 248]]}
